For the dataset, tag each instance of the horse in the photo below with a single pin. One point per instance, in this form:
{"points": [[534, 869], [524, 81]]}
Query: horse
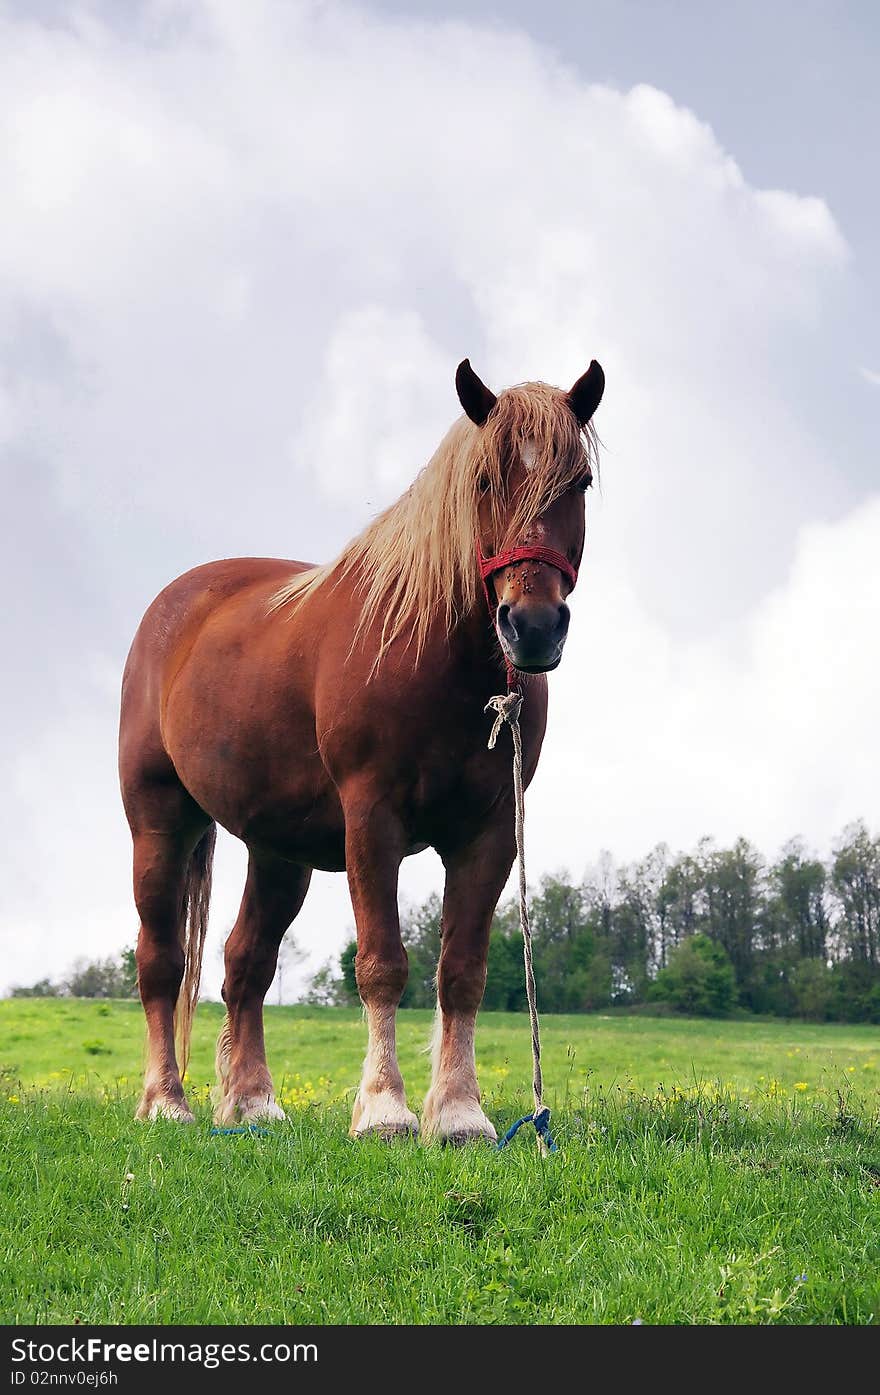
{"points": [[331, 717]]}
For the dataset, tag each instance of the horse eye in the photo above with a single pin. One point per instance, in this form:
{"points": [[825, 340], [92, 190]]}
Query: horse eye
{"points": [[483, 484]]}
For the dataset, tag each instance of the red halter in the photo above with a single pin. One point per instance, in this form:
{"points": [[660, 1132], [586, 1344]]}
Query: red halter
{"points": [[490, 565]]}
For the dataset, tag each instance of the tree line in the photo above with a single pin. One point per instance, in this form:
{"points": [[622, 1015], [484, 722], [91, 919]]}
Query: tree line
{"points": [[113, 977], [704, 932], [707, 932]]}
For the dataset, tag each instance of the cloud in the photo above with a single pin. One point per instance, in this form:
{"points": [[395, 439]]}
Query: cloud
{"points": [[766, 730], [243, 248], [377, 410]]}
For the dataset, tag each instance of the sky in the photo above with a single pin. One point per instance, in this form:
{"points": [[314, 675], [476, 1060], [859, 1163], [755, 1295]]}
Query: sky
{"points": [[243, 248]]}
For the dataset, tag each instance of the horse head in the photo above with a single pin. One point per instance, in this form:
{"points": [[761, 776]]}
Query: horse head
{"points": [[536, 448]]}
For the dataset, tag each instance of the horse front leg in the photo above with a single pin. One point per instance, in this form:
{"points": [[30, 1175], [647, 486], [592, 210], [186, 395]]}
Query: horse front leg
{"points": [[374, 846], [475, 878]]}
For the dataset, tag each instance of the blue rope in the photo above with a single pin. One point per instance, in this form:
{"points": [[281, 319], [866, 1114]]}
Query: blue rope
{"points": [[246, 1128], [541, 1120]]}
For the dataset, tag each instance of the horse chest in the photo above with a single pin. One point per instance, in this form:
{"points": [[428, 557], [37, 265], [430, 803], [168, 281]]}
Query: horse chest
{"points": [[455, 792]]}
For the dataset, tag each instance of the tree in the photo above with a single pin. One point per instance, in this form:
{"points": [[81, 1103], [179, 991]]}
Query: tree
{"points": [[813, 990], [800, 937], [792, 926], [698, 979], [565, 938], [104, 978], [289, 955], [420, 932], [855, 883], [681, 898], [89, 978], [129, 972], [326, 988], [349, 977], [43, 988], [796, 918], [733, 888], [505, 981], [630, 938], [856, 991]]}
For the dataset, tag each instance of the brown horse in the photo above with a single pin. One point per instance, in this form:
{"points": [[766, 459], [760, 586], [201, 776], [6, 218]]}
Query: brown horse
{"points": [[332, 717]]}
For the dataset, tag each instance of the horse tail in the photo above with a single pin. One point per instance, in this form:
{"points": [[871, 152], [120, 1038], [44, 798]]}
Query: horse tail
{"points": [[193, 928]]}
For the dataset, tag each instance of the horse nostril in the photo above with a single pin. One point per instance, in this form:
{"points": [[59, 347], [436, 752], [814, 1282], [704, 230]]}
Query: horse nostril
{"points": [[505, 624], [562, 622]]}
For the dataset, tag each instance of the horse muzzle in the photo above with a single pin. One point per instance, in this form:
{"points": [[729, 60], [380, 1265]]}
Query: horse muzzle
{"points": [[532, 635]]}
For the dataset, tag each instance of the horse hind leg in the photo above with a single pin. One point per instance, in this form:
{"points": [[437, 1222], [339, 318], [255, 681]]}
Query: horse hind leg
{"points": [[163, 877], [273, 895]]}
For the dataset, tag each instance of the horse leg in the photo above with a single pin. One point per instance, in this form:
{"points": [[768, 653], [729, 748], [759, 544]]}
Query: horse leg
{"points": [[373, 854], [475, 878], [161, 862], [273, 896]]}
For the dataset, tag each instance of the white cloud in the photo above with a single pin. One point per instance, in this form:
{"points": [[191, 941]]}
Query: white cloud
{"points": [[378, 409], [243, 248], [766, 730]]}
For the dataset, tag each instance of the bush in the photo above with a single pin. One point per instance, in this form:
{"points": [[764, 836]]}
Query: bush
{"points": [[95, 978], [813, 990], [104, 978], [698, 979], [505, 978], [856, 991], [42, 989]]}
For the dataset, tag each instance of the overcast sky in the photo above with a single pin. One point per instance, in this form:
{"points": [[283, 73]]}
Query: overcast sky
{"points": [[242, 249]]}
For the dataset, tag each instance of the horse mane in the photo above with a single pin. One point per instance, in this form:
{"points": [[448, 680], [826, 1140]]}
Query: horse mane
{"points": [[420, 553]]}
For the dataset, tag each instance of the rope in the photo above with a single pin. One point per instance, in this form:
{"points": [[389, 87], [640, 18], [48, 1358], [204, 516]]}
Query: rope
{"points": [[507, 709]]}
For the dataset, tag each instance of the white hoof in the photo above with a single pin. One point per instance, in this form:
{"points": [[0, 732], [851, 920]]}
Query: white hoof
{"points": [[457, 1122], [258, 1109], [176, 1110], [384, 1115]]}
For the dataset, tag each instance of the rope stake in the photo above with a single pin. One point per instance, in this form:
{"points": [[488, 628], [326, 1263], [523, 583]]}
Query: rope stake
{"points": [[507, 709]]}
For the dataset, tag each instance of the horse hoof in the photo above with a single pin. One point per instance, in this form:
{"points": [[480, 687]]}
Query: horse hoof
{"points": [[264, 1110], [461, 1138], [177, 1111], [388, 1133], [382, 1116], [457, 1123]]}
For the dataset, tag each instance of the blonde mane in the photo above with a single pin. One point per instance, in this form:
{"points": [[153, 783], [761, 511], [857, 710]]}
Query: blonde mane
{"points": [[420, 553]]}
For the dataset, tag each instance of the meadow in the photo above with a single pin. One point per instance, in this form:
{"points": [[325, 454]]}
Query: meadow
{"points": [[708, 1172]]}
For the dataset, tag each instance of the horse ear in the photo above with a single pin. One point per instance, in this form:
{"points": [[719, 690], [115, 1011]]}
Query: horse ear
{"points": [[586, 394], [473, 394]]}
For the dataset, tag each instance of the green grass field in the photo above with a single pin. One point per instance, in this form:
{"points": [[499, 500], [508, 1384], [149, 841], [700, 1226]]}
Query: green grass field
{"points": [[709, 1172]]}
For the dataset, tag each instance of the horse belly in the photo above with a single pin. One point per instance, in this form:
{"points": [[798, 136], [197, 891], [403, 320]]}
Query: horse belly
{"points": [[306, 827]]}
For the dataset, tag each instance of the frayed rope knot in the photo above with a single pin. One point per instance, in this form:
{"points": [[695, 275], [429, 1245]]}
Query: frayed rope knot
{"points": [[507, 706], [507, 709]]}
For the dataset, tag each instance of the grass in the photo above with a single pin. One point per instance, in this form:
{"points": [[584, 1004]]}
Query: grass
{"points": [[709, 1173]]}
